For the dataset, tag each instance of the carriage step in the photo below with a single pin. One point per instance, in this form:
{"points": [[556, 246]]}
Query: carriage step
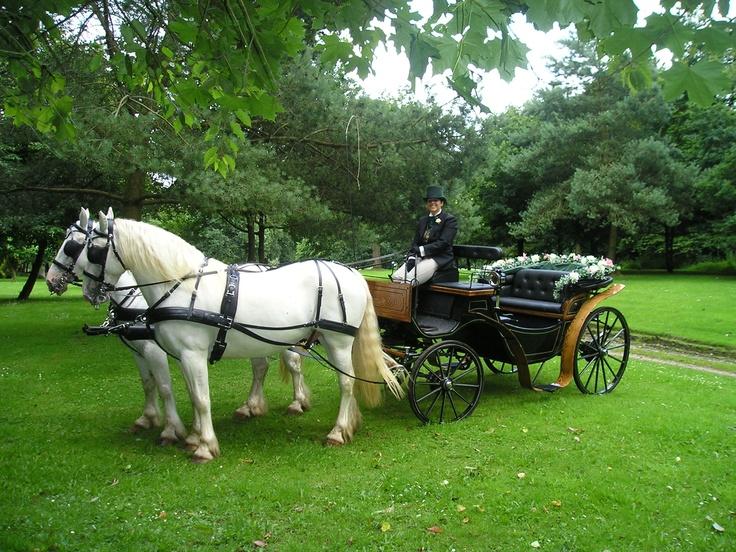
{"points": [[548, 387]]}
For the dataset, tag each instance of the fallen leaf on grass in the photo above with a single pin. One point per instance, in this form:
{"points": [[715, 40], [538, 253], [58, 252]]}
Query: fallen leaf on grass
{"points": [[385, 527], [461, 508], [435, 530], [259, 544], [521, 475], [717, 527], [556, 503], [535, 544], [162, 515], [466, 520]]}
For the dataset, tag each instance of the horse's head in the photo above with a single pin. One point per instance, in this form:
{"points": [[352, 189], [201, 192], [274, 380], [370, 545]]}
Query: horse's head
{"points": [[65, 267], [101, 259]]}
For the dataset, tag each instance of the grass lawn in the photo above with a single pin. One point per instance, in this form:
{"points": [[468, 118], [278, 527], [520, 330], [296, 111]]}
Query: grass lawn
{"points": [[650, 467], [691, 307]]}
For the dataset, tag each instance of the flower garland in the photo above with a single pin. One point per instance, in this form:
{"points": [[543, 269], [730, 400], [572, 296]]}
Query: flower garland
{"points": [[578, 267]]}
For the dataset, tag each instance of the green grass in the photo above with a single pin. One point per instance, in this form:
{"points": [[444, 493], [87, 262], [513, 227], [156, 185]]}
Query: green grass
{"points": [[650, 467], [690, 307]]}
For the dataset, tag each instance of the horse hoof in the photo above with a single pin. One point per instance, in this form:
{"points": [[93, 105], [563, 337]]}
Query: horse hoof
{"points": [[191, 447], [201, 460], [295, 410], [166, 441], [330, 442], [138, 427], [240, 416]]}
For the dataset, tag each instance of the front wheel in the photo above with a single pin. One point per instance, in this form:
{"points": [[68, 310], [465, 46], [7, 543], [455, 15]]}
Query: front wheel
{"points": [[446, 382], [602, 351]]}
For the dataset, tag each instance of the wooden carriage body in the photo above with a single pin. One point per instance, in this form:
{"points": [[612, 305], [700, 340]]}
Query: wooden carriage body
{"points": [[508, 326]]}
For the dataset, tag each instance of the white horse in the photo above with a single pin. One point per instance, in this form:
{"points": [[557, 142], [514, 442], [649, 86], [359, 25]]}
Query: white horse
{"points": [[151, 360], [275, 310]]}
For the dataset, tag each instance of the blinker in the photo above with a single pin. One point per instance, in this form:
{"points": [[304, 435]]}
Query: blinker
{"points": [[97, 254], [73, 249]]}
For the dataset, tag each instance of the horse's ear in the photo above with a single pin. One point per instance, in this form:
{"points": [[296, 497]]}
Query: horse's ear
{"points": [[102, 222], [110, 214], [83, 217]]}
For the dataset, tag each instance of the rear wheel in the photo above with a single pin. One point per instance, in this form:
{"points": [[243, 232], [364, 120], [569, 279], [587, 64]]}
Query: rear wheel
{"points": [[602, 351], [500, 367], [446, 382]]}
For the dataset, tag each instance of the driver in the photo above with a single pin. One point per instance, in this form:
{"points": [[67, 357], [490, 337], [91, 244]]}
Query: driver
{"points": [[431, 249]]}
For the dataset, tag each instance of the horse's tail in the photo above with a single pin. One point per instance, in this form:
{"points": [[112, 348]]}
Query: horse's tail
{"points": [[368, 358]]}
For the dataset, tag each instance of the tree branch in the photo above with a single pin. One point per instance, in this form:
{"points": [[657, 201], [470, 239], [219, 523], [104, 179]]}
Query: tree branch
{"points": [[89, 191]]}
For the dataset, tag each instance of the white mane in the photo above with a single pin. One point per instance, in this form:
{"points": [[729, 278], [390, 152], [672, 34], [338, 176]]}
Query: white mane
{"points": [[162, 254]]}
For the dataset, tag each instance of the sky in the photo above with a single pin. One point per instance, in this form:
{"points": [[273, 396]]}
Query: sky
{"points": [[391, 70]]}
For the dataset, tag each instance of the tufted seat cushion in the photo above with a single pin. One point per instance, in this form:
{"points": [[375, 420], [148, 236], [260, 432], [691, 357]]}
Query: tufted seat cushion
{"points": [[533, 289]]}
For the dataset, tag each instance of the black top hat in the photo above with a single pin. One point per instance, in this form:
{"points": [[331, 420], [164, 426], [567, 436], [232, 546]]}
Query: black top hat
{"points": [[435, 192]]}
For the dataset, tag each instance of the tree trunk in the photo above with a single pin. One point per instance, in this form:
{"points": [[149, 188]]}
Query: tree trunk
{"points": [[250, 226], [375, 253], [262, 238], [133, 192], [612, 242], [669, 248], [25, 293], [520, 246]]}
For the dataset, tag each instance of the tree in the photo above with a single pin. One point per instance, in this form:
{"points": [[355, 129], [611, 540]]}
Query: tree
{"points": [[220, 61]]}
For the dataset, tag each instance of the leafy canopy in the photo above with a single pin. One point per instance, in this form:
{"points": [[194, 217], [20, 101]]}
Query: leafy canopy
{"points": [[220, 60]]}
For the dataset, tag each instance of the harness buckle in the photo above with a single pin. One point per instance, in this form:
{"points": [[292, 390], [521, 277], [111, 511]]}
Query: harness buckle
{"points": [[225, 322]]}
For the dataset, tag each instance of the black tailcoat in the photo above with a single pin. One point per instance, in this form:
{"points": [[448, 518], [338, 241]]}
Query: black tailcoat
{"points": [[436, 234]]}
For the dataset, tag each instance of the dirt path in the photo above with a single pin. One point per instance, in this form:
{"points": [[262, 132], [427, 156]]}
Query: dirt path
{"points": [[688, 357]]}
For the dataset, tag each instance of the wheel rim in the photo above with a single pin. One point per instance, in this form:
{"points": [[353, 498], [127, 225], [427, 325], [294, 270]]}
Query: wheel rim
{"points": [[602, 351], [446, 383], [500, 367]]}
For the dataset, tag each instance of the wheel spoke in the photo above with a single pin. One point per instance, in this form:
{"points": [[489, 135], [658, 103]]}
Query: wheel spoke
{"points": [[442, 409], [433, 392], [466, 401], [452, 404]]}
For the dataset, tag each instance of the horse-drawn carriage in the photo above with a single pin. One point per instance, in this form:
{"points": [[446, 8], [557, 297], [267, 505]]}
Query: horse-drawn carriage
{"points": [[198, 309], [444, 332]]}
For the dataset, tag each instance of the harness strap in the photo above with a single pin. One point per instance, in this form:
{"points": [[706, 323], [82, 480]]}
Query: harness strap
{"points": [[215, 319], [196, 284], [228, 309], [340, 297], [319, 291]]}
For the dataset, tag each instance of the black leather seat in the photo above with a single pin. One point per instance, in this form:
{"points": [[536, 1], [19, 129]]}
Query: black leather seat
{"points": [[533, 289]]}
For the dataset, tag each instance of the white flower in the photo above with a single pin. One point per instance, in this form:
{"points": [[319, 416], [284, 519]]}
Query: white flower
{"points": [[592, 269], [574, 277], [535, 258]]}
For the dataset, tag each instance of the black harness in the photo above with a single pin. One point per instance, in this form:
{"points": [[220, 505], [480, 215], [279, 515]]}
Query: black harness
{"points": [[142, 324]]}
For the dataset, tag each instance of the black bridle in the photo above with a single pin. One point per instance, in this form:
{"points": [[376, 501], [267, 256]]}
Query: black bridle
{"points": [[73, 249], [98, 254]]}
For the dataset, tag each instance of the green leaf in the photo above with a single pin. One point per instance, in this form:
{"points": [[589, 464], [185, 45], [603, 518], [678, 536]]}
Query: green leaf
{"points": [[95, 63], [420, 52], [236, 130], [244, 117], [167, 52], [723, 7], [715, 39], [606, 17], [187, 32], [335, 49], [637, 40], [210, 156], [670, 32], [702, 81]]}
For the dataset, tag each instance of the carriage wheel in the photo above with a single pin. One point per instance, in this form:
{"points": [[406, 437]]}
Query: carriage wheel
{"points": [[602, 351], [500, 367], [446, 382]]}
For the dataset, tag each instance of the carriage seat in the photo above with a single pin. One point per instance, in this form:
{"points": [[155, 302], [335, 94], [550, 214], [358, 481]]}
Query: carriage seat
{"points": [[532, 290]]}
